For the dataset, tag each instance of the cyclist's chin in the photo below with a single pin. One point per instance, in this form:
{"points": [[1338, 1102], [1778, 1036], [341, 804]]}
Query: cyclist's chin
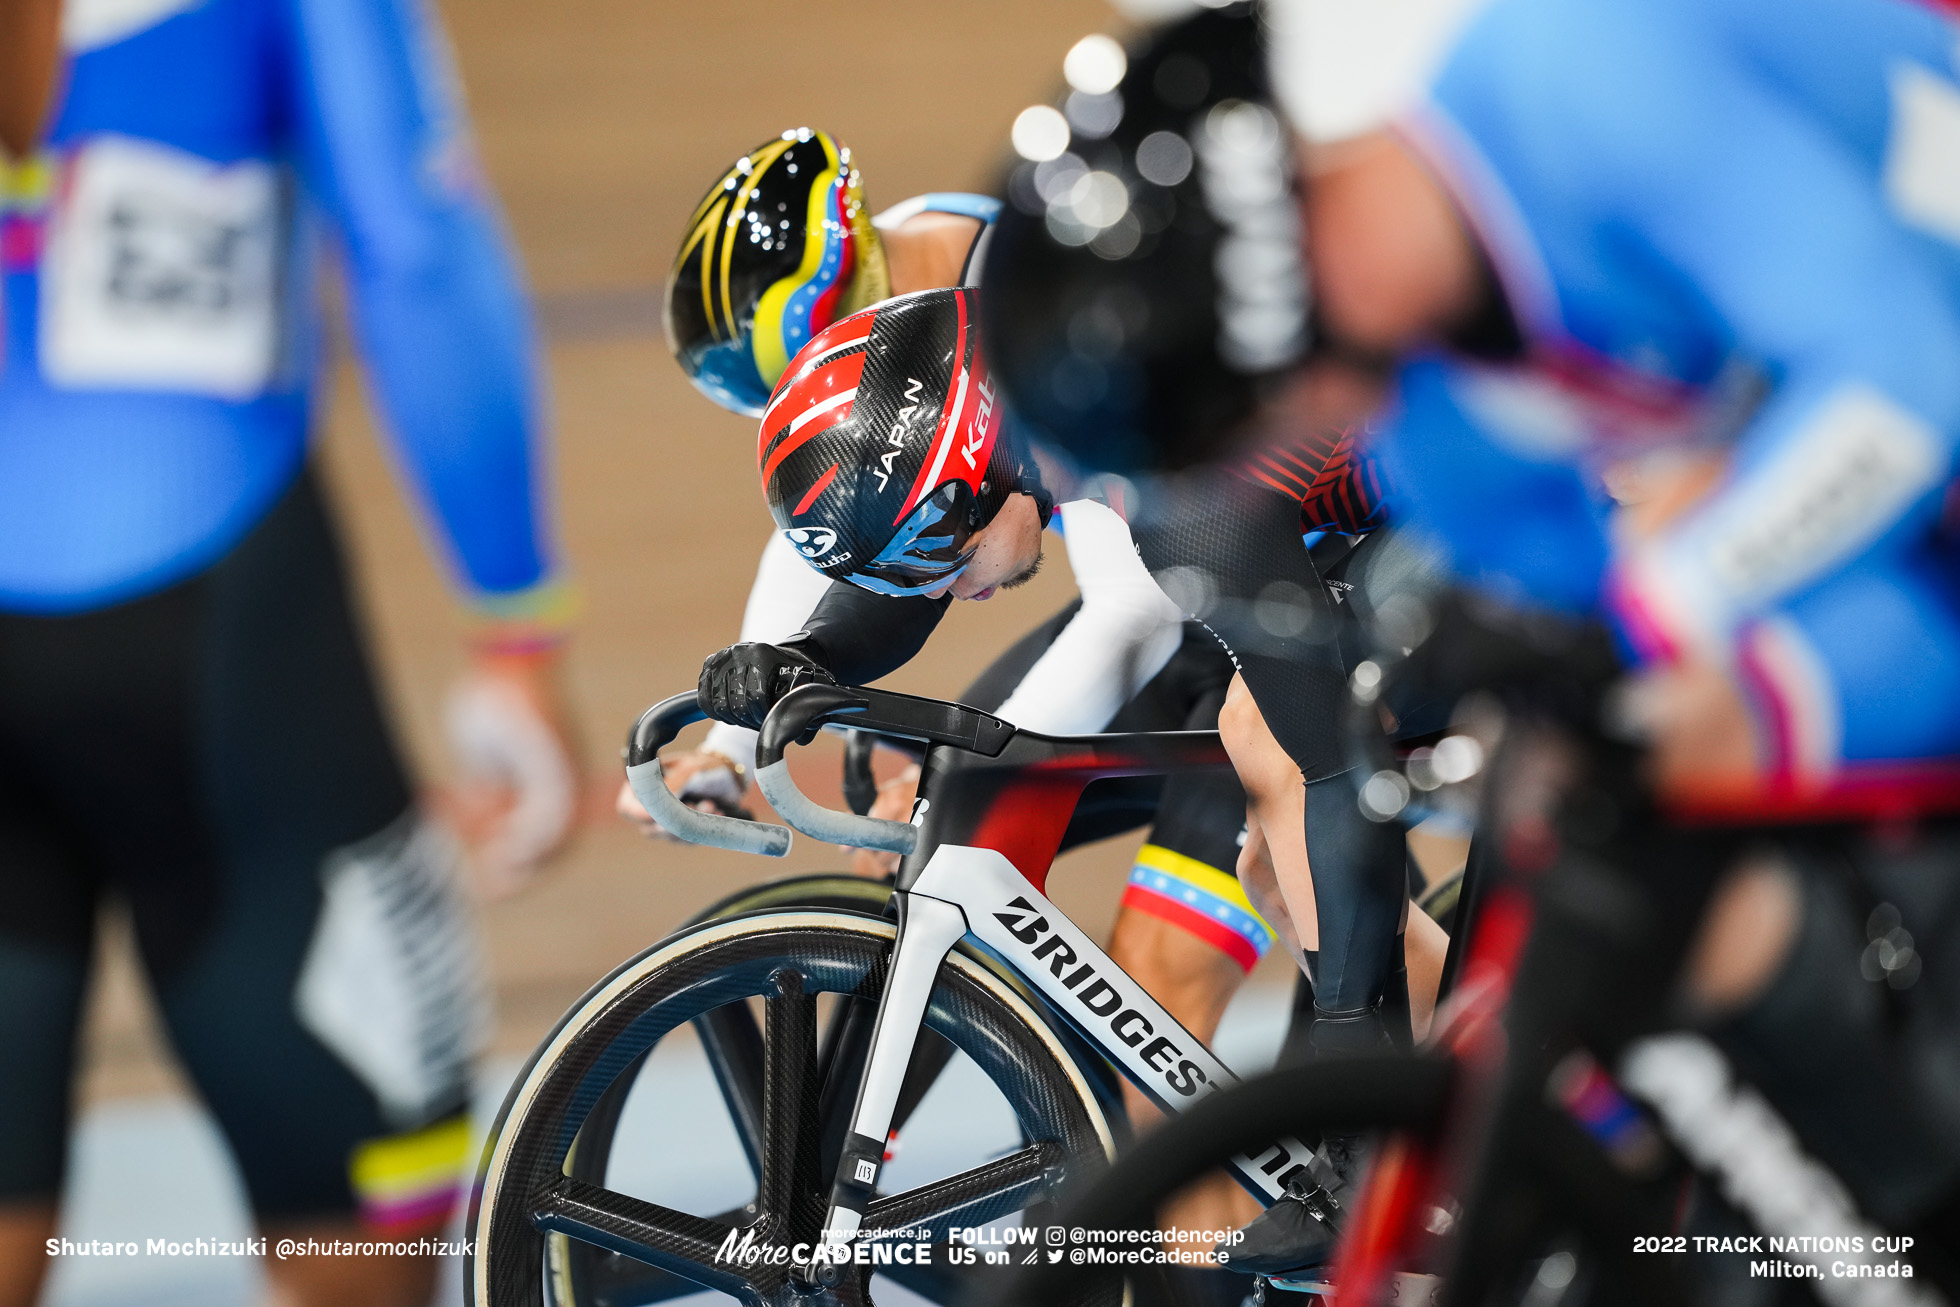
{"points": [[971, 588], [993, 577]]}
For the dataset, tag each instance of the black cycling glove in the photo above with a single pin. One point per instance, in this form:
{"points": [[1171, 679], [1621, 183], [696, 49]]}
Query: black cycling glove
{"points": [[741, 684]]}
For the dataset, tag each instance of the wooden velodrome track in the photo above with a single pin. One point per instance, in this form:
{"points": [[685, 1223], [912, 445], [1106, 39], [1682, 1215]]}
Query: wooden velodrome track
{"points": [[601, 121]]}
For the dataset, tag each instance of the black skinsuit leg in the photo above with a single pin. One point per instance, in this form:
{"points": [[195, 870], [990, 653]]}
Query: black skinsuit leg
{"points": [[1360, 883], [1230, 552]]}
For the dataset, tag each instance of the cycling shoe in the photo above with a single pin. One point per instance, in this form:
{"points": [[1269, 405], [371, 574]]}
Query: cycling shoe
{"points": [[1298, 1233], [1295, 1234]]}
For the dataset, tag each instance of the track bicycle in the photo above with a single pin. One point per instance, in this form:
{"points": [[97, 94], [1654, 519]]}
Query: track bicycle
{"points": [[971, 951], [1549, 1142]]}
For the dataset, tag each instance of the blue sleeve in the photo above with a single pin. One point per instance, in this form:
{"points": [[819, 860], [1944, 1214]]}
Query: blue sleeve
{"points": [[1522, 528], [436, 306], [1742, 196], [984, 207]]}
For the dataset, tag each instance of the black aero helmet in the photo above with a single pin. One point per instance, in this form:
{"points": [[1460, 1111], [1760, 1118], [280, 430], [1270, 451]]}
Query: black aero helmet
{"points": [[1146, 287], [778, 249], [883, 449]]}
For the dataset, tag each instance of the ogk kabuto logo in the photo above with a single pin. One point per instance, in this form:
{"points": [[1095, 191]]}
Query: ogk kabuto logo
{"points": [[813, 542]]}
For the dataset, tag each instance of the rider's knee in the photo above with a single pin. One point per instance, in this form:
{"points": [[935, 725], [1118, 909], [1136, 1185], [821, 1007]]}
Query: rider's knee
{"points": [[1750, 925], [1263, 766]]}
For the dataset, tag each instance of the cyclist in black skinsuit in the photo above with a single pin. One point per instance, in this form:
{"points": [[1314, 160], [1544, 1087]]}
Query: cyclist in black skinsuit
{"points": [[1119, 658], [1219, 220], [770, 279], [907, 488]]}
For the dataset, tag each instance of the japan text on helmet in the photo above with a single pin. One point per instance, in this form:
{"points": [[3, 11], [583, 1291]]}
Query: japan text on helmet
{"points": [[1146, 286], [778, 249], [883, 451]]}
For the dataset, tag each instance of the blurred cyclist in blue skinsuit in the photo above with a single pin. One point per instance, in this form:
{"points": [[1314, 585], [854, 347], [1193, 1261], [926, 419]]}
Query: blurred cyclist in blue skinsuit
{"points": [[1702, 259], [188, 722]]}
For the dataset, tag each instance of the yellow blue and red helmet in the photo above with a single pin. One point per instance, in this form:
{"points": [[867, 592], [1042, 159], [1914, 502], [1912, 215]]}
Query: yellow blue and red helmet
{"points": [[778, 249]]}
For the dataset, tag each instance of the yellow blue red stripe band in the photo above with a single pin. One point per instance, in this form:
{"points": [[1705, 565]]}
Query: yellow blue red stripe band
{"points": [[409, 1183], [769, 342], [1200, 899]]}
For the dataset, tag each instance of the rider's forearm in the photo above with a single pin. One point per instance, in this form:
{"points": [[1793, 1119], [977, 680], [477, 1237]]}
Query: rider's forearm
{"points": [[435, 296], [859, 636], [785, 593]]}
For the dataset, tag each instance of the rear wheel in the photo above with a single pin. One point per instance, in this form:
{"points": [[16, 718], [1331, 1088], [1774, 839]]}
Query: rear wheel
{"points": [[543, 1172]]}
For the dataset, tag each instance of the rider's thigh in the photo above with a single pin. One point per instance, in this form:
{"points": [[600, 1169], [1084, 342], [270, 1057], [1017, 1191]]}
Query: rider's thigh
{"points": [[1264, 768], [77, 722], [1184, 695], [1186, 873], [1424, 950], [329, 1003]]}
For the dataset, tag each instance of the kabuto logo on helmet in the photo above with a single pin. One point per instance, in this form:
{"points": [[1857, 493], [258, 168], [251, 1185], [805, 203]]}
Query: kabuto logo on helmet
{"points": [[812, 542], [886, 431]]}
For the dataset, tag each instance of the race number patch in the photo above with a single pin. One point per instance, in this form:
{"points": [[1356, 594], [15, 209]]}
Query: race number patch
{"points": [[161, 272], [1830, 491]]}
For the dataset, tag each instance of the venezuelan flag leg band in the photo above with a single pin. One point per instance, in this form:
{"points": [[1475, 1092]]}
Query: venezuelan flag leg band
{"points": [[1199, 899], [409, 1184]]}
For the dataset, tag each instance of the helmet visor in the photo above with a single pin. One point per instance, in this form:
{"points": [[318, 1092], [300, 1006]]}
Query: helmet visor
{"points": [[932, 547]]}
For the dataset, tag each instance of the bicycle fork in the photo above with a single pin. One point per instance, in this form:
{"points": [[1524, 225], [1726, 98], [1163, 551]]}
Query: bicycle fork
{"points": [[927, 930]]}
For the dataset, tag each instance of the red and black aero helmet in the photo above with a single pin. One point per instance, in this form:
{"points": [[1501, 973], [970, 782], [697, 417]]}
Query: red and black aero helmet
{"points": [[883, 451]]}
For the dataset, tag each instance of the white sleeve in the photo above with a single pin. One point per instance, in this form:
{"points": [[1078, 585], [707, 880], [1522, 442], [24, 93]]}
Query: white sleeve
{"points": [[784, 595], [1344, 67], [1124, 633]]}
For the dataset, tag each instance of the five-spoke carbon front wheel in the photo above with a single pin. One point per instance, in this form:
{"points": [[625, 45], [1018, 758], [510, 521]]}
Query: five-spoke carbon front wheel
{"points": [[527, 1191]]}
